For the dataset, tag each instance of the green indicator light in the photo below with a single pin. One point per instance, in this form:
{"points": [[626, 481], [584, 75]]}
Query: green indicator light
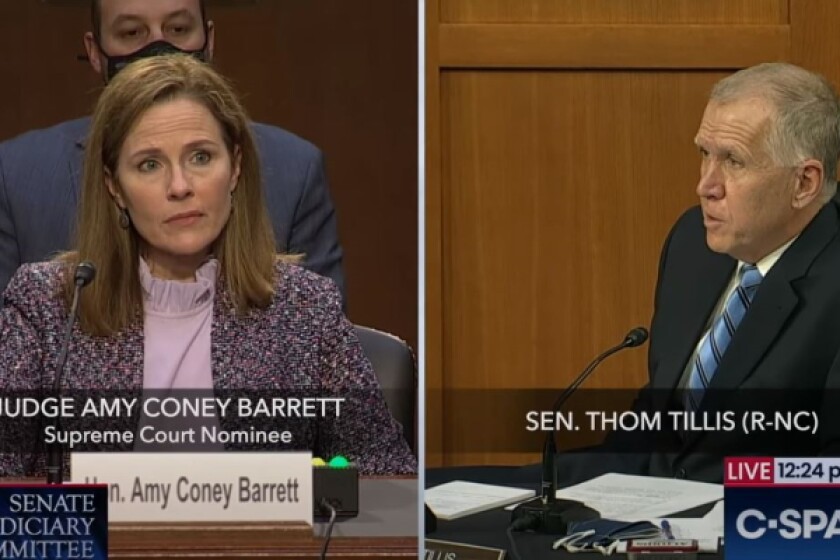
{"points": [[339, 462]]}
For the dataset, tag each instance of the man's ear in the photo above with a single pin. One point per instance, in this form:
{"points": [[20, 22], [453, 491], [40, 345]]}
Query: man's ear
{"points": [[211, 39], [809, 183], [93, 53]]}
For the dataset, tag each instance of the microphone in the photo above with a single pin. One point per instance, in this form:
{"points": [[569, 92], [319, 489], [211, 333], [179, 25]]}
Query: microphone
{"points": [[546, 514], [83, 275]]}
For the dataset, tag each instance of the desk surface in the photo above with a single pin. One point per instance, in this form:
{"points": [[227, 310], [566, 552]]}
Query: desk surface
{"points": [[488, 528], [385, 528], [387, 508]]}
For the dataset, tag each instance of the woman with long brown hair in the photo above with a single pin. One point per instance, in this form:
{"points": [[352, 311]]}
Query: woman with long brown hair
{"points": [[190, 292]]}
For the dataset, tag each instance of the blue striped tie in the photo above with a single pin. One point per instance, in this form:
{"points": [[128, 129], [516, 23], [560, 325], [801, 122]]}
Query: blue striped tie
{"points": [[715, 344]]}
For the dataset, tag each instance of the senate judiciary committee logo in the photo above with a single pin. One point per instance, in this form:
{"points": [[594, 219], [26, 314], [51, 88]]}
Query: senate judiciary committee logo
{"points": [[67, 521]]}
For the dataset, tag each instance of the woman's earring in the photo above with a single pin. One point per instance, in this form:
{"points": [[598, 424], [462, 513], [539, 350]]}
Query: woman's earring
{"points": [[124, 219]]}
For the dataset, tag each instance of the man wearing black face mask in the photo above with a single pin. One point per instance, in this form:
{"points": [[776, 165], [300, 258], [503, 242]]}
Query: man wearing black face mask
{"points": [[117, 63], [40, 171], [131, 32]]}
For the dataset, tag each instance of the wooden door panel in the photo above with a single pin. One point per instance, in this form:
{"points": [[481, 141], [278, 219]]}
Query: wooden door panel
{"points": [[547, 172]]}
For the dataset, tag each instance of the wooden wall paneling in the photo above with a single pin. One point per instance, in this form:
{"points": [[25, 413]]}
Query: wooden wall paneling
{"points": [[11, 92], [815, 42], [556, 212], [41, 43], [574, 140], [751, 12], [611, 46]]}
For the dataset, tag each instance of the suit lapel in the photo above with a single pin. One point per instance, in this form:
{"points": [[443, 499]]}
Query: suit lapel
{"points": [[774, 302]]}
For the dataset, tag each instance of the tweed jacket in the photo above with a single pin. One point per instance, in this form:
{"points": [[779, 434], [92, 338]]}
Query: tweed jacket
{"points": [[301, 341]]}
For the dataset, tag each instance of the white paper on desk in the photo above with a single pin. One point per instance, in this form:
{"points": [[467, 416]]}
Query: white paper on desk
{"points": [[458, 498], [715, 516], [715, 519], [626, 497]]}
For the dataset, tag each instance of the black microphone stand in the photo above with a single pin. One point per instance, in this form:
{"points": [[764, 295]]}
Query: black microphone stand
{"points": [[547, 514], [84, 274]]}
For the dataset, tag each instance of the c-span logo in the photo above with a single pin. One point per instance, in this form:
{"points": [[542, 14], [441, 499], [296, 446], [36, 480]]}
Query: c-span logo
{"points": [[54, 521], [782, 509]]}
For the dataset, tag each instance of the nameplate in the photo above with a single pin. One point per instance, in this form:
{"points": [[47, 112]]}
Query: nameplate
{"points": [[445, 550], [219, 487]]}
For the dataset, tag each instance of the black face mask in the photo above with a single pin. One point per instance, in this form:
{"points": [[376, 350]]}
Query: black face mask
{"points": [[117, 63]]}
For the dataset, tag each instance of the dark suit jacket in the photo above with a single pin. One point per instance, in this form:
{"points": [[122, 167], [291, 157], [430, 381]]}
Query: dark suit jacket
{"points": [[300, 342], [785, 354], [41, 172]]}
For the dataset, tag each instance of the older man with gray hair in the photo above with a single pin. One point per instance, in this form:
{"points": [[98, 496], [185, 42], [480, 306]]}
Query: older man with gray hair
{"points": [[747, 304]]}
